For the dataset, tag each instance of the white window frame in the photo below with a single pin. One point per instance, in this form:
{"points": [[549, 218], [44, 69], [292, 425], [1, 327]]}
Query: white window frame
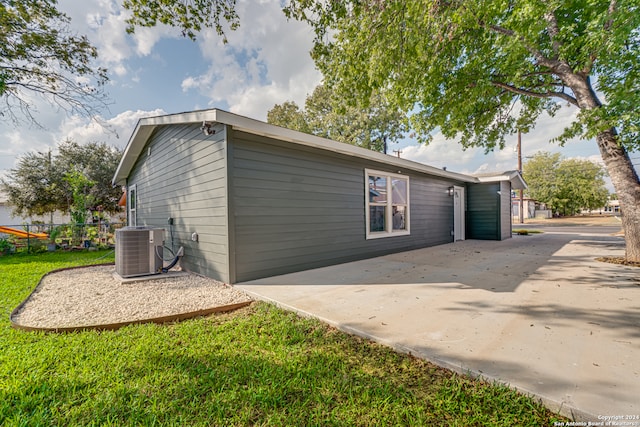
{"points": [[389, 231], [132, 190]]}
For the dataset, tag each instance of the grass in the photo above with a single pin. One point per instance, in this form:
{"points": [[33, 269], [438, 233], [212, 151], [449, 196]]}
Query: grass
{"points": [[256, 366]]}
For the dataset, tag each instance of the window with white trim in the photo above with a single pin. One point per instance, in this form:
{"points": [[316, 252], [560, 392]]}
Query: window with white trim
{"points": [[387, 207], [132, 205]]}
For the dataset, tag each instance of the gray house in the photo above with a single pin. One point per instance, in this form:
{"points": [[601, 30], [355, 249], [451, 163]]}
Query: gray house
{"points": [[248, 200]]}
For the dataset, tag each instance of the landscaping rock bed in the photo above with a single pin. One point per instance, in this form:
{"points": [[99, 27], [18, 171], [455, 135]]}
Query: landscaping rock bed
{"points": [[92, 296]]}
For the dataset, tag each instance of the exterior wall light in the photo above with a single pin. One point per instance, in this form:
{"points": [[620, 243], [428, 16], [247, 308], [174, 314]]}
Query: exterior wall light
{"points": [[206, 128], [450, 191]]}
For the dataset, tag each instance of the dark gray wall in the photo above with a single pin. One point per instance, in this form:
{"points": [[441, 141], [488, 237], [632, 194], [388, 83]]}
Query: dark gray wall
{"points": [[183, 176], [295, 208], [263, 207], [483, 211]]}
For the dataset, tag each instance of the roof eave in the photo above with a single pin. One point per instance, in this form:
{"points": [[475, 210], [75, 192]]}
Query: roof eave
{"points": [[146, 126], [514, 177]]}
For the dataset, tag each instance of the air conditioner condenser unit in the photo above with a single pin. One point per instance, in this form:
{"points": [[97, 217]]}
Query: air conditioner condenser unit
{"points": [[139, 251]]}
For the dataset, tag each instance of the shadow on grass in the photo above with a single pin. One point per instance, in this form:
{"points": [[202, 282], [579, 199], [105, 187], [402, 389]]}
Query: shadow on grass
{"points": [[262, 366]]}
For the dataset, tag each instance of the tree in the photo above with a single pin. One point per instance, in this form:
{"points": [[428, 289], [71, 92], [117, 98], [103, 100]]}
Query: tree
{"points": [[41, 184], [81, 198], [584, 186], [290, 116], [40, 56], [370, 126], [98, 163], [34, 186], [566, 186], [480, 70]]}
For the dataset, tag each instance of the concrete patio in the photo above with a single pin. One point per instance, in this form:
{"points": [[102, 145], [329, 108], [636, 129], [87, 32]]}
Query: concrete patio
{"points": [[537, 312]]}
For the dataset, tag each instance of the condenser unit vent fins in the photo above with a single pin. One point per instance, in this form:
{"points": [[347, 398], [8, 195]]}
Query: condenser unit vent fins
{"points": [[139, 251]]}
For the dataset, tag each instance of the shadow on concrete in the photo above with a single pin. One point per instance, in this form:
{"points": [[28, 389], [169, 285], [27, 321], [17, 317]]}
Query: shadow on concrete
{"points": [[538, 312], [621, 322], [496, 266], [541, 368]]}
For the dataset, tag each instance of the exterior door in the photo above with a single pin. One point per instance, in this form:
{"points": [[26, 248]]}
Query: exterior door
{"points": [[458, 213]]}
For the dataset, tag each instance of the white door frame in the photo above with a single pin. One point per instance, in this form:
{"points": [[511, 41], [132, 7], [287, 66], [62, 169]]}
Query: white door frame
{"points": [[458, 213]]}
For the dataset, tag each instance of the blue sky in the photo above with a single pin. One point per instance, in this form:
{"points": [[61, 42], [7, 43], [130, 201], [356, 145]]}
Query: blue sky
{"points": [[266, 61]]}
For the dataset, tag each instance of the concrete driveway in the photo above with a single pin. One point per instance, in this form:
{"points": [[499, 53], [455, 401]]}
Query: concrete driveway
{"points": [[537, 312]]}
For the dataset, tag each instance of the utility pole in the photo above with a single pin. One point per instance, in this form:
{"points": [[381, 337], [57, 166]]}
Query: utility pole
{"points": [[398, 152], [520, 210], [49, 177]]}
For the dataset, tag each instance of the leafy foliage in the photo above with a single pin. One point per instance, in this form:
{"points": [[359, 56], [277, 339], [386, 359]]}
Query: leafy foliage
{"points": [[97, 161], [370, 126], [40, 183], [566, 186], [191, 16], [34, 186], [81, 199], [480, 70], [40, 56], [289, 115]]}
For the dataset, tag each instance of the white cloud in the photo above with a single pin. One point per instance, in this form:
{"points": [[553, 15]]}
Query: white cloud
{"points": [[265, 62], [439, 153], [114, 131], [449, 153], [146, 38], [102, 21], [119, 70]]}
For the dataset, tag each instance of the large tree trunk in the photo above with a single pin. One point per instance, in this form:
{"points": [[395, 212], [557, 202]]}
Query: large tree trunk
{"points": [[616, 160], [625, 181]]}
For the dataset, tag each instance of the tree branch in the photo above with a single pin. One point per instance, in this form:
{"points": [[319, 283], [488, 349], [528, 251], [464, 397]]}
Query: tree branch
{"points": [[570, 99], [552, 28], [607, 28], [610, 10], [539, 56]]}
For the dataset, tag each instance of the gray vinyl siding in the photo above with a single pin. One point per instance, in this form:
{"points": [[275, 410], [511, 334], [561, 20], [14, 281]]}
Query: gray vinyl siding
{"points": [[295, 208], [182, 174], [483, 211], [505, 210]]}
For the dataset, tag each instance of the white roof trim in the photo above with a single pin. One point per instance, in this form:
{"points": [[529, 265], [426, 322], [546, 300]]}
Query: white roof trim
{"points": [[146, 126], [515, 177]]}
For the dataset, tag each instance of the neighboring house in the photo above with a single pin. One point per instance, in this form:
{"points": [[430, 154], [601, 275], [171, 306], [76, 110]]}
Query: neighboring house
{"points": [[248, 200], [612, 207], [8, 219], [531, 208]]}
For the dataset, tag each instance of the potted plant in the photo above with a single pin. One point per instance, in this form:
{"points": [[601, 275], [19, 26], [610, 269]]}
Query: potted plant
{"points": [[53, 235], [90, 235]]}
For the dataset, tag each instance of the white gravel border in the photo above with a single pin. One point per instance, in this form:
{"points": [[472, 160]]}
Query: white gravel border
{"points": [[91, 296]]}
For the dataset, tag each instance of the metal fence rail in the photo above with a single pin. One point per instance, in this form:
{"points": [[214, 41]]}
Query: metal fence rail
{"points": [[40, 237]]}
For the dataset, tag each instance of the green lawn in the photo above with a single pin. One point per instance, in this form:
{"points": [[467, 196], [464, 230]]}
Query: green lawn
{"points": [[256, 366]]}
